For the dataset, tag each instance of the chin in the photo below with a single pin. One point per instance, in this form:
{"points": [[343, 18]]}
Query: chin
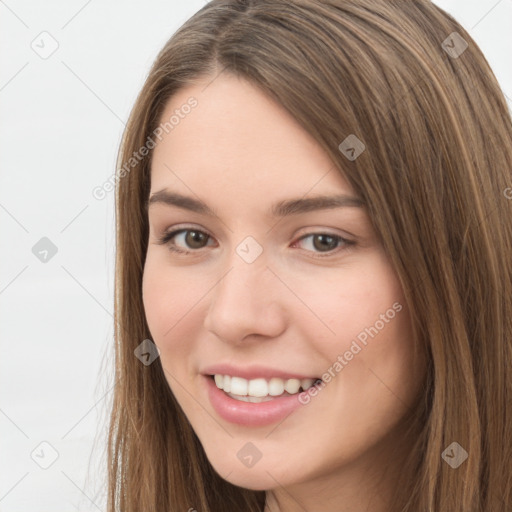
{"points": [[256, 478], [252, 481]]}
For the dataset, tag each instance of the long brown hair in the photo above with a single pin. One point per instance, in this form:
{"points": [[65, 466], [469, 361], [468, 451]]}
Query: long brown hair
{"points": [[436, 175]]}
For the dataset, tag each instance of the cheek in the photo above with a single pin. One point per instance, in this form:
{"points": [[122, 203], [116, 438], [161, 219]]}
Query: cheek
{"points": [[366, 334], [170, 302], [167, 296], [360, 303]]}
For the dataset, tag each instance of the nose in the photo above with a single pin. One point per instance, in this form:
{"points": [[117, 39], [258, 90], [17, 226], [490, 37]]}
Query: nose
{"points": [[247, 302]]}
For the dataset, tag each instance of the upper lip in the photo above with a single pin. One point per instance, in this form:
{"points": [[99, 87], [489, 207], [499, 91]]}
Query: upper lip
{"points": [[252, 372]]}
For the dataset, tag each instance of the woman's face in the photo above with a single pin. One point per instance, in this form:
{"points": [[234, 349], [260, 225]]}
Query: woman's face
{"points": [[272, 289]]}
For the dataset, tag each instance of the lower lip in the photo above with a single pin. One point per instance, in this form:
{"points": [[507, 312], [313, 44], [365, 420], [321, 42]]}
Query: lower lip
{"points": [[247, 413]]}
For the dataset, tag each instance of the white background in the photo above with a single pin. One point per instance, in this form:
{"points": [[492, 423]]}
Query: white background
{"points": [[61, 122]]}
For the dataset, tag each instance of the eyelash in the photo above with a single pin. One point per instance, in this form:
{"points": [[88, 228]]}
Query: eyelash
{"points": [[166, 238]]}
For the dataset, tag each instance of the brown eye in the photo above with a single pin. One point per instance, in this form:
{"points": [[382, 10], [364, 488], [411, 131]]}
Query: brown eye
{"points": [[321, 242], [328, 244], [325, 242], [195, 239], [185, 240]]}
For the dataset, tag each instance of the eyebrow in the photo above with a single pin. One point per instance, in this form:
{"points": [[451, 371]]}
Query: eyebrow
{"points": [[280, 209]]}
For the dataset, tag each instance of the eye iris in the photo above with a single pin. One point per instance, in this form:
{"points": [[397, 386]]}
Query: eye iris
{"points": [[327, 242], [195, 239]]}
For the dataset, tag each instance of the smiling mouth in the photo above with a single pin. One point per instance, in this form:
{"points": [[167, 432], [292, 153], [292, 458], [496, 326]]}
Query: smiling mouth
{"points": [[260, 389]]}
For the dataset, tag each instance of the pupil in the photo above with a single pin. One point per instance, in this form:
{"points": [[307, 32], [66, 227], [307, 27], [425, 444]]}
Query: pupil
{"points": [[326, 242], [194, 239]]}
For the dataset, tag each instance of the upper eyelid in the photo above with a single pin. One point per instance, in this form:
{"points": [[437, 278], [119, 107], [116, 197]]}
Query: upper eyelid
{"points": [[316, 231], [179, 230]]}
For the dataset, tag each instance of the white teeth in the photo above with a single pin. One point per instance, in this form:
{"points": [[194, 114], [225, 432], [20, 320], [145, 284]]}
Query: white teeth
{"points": [[219, 380], [257, 387], [260, 389], [292, 386], [275, 387], [307, 383], [239, 386], [253, 399]]}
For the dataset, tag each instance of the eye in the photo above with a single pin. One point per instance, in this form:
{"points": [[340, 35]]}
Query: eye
{"points": [[324, 243], [181, 240], [188, 241]]}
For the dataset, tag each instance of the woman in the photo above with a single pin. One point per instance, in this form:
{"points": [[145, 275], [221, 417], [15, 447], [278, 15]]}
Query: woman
{"points": [[313, 296]]}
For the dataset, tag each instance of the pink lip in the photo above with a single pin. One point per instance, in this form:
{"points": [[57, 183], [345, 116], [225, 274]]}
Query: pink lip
{"points": [[251, 372], [250, 414]]}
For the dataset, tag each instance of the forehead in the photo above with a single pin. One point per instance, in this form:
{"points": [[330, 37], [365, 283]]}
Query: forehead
{"points": [[238, 141]]}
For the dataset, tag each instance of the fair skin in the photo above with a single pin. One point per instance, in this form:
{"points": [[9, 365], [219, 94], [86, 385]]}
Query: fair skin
{"points": [[297, 307]]}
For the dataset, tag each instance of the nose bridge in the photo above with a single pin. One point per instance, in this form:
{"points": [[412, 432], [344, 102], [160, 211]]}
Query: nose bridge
{"points": [[247, 273], [246, 300]]}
